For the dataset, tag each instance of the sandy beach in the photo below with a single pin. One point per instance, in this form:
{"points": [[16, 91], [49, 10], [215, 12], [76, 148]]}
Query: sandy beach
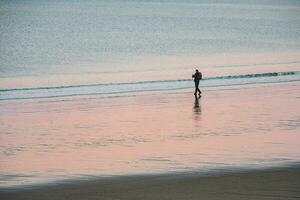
{"points": [[97, 99], [151, 133], [230, 129], [282, 183]]}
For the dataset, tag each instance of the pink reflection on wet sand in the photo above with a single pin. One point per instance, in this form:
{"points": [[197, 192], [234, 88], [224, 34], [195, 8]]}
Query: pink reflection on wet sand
{"points": [[151, 133]]}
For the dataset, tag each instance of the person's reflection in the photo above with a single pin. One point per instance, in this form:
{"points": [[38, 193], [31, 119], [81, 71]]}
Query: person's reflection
{"points": [[197, 108]]}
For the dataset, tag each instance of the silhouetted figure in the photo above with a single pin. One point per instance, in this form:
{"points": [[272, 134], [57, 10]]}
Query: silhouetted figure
{"points": [[197, 77]]}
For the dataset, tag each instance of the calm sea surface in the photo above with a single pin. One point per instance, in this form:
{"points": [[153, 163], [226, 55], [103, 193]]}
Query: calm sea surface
{"points": [[58, 43]]}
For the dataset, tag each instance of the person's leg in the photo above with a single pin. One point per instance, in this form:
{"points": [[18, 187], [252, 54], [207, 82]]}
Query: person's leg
{"points": [[196, 88], [199, 90]]}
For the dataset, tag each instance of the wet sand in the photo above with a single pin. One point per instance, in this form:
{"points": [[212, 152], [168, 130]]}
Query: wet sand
{"points": [[247, 127], [281, 183]]}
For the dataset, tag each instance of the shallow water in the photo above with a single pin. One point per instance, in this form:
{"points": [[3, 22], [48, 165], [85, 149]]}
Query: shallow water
{"points": [[44, 141]]}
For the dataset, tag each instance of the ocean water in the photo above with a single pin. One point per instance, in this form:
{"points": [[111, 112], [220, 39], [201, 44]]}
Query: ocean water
{"points": [[95, 54], [63, 43]]}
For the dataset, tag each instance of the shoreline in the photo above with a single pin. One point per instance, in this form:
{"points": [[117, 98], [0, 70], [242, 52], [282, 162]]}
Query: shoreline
{"points": [[276, 182], [172, 92], [120, 88]]}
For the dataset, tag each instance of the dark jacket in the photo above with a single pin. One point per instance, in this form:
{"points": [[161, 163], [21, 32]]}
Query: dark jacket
{"points": [[197, 76]]}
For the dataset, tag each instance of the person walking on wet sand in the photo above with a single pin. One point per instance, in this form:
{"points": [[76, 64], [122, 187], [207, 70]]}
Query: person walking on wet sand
{"points": [[197, 77]]}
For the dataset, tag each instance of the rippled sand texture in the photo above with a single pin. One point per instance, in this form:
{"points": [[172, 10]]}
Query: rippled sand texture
{"points": [[250, 127]]}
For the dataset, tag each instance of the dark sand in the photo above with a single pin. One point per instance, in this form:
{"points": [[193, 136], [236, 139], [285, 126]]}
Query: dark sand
{"points": [[281, 183]]}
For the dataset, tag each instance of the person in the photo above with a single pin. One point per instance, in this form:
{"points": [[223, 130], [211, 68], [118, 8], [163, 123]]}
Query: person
{"points": [[197, 77]]}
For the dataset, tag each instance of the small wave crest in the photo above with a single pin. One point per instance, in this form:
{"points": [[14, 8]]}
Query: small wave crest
{"points": [[142, 86], [269, 74]]}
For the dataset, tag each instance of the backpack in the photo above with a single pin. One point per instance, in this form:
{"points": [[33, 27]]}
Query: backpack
{"points": [[200, 75]]}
